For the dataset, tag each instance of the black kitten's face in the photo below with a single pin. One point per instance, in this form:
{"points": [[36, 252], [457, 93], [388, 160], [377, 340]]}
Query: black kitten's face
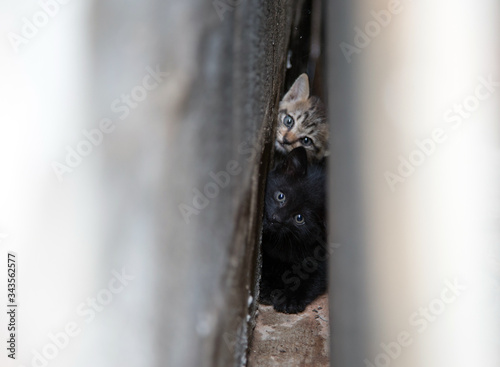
{"points": [[286, 208], [294, 207]]}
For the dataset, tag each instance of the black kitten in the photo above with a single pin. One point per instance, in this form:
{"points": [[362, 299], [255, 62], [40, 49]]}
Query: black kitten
{"points": [[294, 235]]}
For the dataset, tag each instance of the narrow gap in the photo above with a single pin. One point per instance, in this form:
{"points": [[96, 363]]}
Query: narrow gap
{"points": [[286, 334]]}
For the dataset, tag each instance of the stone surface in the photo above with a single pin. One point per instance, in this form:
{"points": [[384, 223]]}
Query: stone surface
{"points": [[291, 340], [192, 161]]}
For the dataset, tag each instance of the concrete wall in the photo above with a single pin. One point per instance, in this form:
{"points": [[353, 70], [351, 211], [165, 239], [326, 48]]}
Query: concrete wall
{"points": [[211, 115], [119, 112]]}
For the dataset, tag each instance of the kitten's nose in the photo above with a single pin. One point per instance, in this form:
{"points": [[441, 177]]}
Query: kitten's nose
{"points": [[285, 140], [275, 219]]}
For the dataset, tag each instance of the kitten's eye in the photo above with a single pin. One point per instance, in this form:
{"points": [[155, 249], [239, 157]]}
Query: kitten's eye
{"points": [[279, 196], [306, 141], [299, 219], [288, 121]]}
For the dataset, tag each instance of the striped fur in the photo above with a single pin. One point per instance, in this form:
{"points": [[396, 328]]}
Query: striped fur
{"points": [[309, 128]]}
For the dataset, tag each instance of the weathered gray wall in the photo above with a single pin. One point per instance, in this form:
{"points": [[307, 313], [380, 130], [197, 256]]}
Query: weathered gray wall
{"points": [[215, 107]]}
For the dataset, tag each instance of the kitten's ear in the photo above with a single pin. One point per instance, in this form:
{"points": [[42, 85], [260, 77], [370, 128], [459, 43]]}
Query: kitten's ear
{"points": [[296, 162], [299, 90]]}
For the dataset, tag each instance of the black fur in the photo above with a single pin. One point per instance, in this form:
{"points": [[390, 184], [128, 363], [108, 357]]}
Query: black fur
{"points": [[293, 255]]}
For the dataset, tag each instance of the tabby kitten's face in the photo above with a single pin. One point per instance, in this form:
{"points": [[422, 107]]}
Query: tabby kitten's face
{"points": [[302, 122]]}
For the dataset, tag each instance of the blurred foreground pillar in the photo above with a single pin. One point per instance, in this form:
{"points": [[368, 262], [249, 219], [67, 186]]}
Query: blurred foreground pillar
{"points": [[414, 107], [183, 169]]}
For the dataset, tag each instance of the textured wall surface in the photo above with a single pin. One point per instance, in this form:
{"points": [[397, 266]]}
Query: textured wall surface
{"points": [[191, 161], [292, 340]]}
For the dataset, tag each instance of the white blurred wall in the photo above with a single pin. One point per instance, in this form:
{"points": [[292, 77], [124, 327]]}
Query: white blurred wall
{"points": [[58, 227], [417, 202]]}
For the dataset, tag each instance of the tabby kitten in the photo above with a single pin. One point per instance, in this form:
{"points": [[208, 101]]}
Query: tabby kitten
{"points": [[294, 235], [302, 122]]}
